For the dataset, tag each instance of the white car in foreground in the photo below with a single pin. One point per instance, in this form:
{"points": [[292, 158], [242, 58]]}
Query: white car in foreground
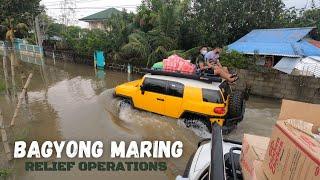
{"points": [[218, 161]]}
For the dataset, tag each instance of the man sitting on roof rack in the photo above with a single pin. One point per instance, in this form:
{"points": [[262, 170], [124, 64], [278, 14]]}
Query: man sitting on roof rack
{"points": [[210, 64], [212, 59]]}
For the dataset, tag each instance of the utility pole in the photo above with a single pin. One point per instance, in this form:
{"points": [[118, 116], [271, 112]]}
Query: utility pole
{"points": [[38, 33], [68, 11]]}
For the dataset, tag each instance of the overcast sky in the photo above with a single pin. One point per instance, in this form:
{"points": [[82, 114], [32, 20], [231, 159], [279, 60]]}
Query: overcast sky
{"points": [[87, 7]]}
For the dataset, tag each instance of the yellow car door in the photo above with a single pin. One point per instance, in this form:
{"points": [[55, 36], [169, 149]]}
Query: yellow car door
{"points": [[174, 99], [151, 96]]}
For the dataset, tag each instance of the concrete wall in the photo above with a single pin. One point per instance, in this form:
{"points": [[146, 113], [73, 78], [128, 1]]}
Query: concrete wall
{"points": [[278, 85]]}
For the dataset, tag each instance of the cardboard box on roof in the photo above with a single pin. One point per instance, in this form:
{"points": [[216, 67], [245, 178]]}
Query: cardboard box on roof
{"points": [[293, 152], [300, 110], [253, 152]]}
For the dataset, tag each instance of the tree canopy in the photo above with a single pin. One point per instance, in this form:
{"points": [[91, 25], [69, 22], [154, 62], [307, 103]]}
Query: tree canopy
{"points": [[161, 27], [17, 16], [18, 11]]}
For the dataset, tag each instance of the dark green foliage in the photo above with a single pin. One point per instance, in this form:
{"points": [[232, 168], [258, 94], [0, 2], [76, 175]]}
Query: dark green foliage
{"points": [[16, 18], [236, 60], [220, 22], [302, 18], [180, 53], [5, 173], [158, 55], [161, 28], [16, 11], [2, 86], [55, 29]]}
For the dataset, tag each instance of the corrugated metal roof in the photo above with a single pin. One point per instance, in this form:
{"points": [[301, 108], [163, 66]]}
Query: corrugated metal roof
{"points": [[283, 35], [309, 49], [276, 49], [304, 66], [317, 58], [287, 64], [287, 42]]}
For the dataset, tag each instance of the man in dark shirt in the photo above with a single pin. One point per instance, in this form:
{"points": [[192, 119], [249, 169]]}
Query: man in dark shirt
{"points": [[203, 52]]}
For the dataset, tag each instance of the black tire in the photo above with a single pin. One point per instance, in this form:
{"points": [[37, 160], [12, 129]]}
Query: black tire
{"points": [[207, 123], [236, 110], [236, 104], [125, 102], [228, 128]]}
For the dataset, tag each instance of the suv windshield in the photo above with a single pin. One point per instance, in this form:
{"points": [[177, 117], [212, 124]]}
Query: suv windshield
{"points": [[213, 96]]}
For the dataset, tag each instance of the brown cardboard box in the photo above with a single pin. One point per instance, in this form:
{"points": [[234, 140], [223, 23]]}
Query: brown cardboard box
{"points": [[258, 171], [253, 149], [292, 153], [299, 110]]}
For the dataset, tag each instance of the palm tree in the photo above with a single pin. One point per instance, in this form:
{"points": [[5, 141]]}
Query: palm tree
{"points": [[138, 47]]}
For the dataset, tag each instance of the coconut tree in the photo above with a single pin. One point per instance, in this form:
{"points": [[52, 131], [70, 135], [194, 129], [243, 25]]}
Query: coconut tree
{"points": [[138, 47]]}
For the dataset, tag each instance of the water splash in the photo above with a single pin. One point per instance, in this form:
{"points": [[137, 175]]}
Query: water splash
{"points": [[198, 128]]}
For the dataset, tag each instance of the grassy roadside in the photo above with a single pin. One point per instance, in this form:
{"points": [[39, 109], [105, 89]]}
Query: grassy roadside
{"points": [[5, 172], [2, 86]]}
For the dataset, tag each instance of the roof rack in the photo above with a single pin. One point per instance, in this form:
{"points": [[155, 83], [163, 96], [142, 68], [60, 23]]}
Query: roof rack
{"points": [[208, 78]]}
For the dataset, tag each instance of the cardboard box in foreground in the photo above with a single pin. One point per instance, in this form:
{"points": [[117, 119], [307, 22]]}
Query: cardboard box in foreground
{"points": [[300, 110], [258, 171], [292, 153], [252, 155]]}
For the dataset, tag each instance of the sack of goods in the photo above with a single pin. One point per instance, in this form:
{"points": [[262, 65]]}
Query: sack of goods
{"points": [[175, 63], [293, 150], [157, 66]]}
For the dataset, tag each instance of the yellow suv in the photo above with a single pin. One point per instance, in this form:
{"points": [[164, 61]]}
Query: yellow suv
{"points": [[185, 97]]}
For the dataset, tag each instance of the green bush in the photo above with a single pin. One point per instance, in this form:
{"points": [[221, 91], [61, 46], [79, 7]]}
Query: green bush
{"points": [[234, 59], [2, 86], [5, 172], [158, 55], [177, 52]]}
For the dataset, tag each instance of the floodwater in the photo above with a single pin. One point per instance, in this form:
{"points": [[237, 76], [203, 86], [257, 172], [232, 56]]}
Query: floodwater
{"points": [[74, 102]]}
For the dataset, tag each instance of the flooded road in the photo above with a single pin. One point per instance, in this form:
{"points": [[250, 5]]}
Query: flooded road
{"points": [[74, 102]]}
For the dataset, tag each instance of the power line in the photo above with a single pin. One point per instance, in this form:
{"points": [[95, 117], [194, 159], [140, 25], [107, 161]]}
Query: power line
{"points": [[305, 7], [67, 8]]}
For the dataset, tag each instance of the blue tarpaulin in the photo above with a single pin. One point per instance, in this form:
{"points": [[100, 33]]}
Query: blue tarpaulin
{"points": [[288, 42]]}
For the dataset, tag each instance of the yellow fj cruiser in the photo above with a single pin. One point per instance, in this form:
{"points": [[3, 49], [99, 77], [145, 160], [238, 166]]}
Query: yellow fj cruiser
{"points": [[189, 97]]}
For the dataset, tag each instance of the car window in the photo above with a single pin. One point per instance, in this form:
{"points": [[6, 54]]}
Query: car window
{"points": [[175, 89], [213, 96], [154, 85]]}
